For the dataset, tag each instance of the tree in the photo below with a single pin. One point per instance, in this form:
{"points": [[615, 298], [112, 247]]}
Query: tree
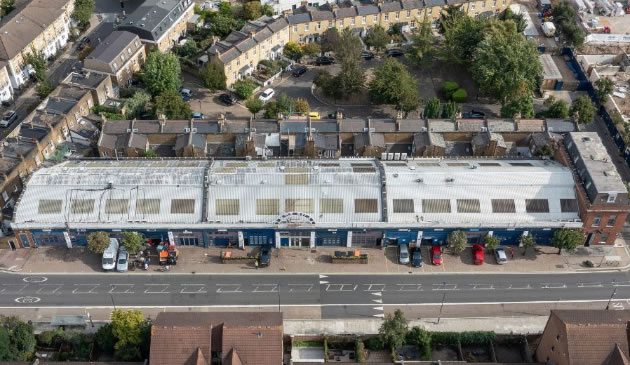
{"points": [[37, 60], [377, 38], [450, 17], [189, 49], [213, 76], [171, 104], [555, 108], [330, 40], [161, 73], [5, 345], [392, 84], [457, 242], [329, 85], [603, 87], [285, 104], [7, 7], [244, 88], [311, 49], [293, 51], [127, 327], [506, 65], [267, 10], [252, 10], [349, 46], [462, 35], [221, 25], [567, 239], [150, 154], [301, 106], [518, 19], [432, 109], [491, 242], [105, 339], [271, 109], [449, 111], [98, 242], [582, 110], [422, 338], [523, 106], [21, 339], [136, 106], [83, 10], [254, 105], [393, 330], [44, 88], [527, 241], [225, 8], [352, 76], [564, 17], [132, 241], [422, 43]]}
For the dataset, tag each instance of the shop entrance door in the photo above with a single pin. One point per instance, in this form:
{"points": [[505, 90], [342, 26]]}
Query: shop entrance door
{"points": [[299, 239]]}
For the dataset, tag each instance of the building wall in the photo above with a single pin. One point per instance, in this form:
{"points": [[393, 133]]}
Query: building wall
{"points": [[178, 29], [123, 74], [553, 347], [6, 89]]}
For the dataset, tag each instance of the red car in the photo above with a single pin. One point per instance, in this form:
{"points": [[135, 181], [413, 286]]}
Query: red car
{"points": [[478, 256], [436, 255]]}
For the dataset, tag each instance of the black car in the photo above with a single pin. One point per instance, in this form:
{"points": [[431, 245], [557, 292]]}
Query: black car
{"points": [[299, 71], [416, 258], [324, 61], [83, 42], [474, 114], [395, 53], [367, 55], [227, 99], [265, 257]]}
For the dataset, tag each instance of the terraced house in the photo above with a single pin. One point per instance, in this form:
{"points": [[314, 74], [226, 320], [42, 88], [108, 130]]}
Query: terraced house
{"points": [[264, 38], [40, 26]]}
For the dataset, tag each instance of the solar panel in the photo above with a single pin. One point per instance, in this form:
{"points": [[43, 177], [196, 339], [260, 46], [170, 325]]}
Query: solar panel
{"points": [[537, 205]]}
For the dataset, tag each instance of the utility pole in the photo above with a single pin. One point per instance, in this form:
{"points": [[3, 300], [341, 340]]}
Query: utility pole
{"points": [[112, 296], [441, 307], [611, 297]]}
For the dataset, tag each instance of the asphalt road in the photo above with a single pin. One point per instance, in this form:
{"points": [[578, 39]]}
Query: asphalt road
{"points": [[337, 296]]}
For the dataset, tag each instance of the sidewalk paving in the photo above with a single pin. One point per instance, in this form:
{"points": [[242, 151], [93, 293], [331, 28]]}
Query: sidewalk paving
{"points": [[312, 261]]}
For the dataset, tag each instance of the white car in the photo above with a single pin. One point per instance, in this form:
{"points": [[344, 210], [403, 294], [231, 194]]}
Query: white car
{"points": [[266, 95]]}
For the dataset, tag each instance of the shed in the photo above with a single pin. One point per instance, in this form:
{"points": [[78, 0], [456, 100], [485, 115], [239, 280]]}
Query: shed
{"points": [[551, 72]]}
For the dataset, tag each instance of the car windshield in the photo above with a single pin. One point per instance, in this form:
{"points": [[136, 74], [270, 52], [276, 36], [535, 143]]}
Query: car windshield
{"points": [[122, 261], [266, 93], [108, 261], [404, 255]]}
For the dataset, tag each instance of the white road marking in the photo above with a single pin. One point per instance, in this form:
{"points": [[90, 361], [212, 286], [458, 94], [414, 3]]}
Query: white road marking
{"points": [[322, 276], [516, 287], [553, 285], [379, 301], [378, 308], [190, 289], [378, 294], [48, 288], [382, 315], [409, 287], [82, 288], [153, 289], [323, 282], [341, 287], [229, 288], [445, 286], [617, 306], [621, 283], [590, 285], [374, 287], [35, 279], [27, 300], [18, 288], [265, 288], [482, 286], [300, 288], [121, 289]]}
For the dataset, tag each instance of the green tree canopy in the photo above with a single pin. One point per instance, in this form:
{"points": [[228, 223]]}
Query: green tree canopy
{"points": [[564, 17], [38, 61], [393, 330], [555, 108], [462, 35], [213, 76], [244, 88], [5, 345], [604, 87], [457, 242], [83, 10], [378, 38], [449, 111], [567, 239], [422, 43], [349, 46], [392, 84], [188, 49], [267, 10], [171, 104], [254, 105], [21, 339], [330, 40], [105, 339], [518, 19], [301, 106], [523, 105], [132, 241], [7, 6], [252, 10], [491, 242], [136, 106], [44, 88], [98, 242], [312, 49], [293, 51], [582, 110], [161, 73], [527, 241], [432, 109], [352, 76]]}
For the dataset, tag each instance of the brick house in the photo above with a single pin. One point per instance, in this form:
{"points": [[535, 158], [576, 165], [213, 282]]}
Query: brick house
{"points": [[585, 337], [244, 338], [602, 195]]}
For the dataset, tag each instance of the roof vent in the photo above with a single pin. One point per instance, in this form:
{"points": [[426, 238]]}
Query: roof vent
{"points": [[586, 139], [396, 175], [450, 180], [610, 173], [419, 180]]}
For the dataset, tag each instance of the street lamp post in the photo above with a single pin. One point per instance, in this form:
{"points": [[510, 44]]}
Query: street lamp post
{"points": [[611, 297]]}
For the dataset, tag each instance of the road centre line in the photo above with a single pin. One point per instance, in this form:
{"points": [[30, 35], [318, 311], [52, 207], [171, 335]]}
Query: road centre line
{"points": [[589, 285], [409, 287], [553, 285], [342, 287], [445, 286], [482, 286]]}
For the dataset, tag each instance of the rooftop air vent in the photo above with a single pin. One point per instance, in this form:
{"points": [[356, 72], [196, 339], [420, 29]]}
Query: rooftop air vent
{"points": [[419, 180], [586, 139], [450, 180]]}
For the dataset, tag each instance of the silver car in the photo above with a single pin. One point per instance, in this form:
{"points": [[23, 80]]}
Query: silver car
{"points": [[499, 254], [122, 264], [403, 254]]}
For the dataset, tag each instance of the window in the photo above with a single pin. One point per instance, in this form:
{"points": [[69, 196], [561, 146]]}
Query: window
{"points": [[331, 205], [363, 170], [568, 205], [227, 207], [603, 237], [306, 27], [183, 206], [364, 20], [611, 198], [122, 58], [49, 206], [468, 206], [330, 25], [413, 24], [503, 206], [82, 206], [136, 43], [319, 25], [129, 51], [148, 206], [403, 205], [116, 206], [611, 221], [483, 5], [397, 16], [341, 23], [472, 6], [408, 13], [430, 11], [596, 221], [436, 206], [115, 66], [365, 205], [537, 205], [295, 29], [267, 206], [504, 2], [299, 205], [376, 18], [494, 3], [386, 17], [352, 21]]}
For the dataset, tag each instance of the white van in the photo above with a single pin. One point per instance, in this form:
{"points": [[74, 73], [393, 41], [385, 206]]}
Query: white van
{"points": [[110, 254]]}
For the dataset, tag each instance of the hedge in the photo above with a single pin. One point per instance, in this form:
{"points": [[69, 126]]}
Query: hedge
{"points": [[460, 96], [445, 338], [463, 338], [448, 88]]}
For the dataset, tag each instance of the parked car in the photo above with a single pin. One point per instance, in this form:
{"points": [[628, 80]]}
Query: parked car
{"points": [[83, 42], [266, 95], [403, 254], [228, 99], [186, 94], [474, 114], [198, 116], [436, 255], [324, 60], [122, 264], [367, 55], [499, 254], [478, 256], [299, 71], [314, 115], [265, 256], [395, 53], [110, 254], [8, 118], [416, 258]]}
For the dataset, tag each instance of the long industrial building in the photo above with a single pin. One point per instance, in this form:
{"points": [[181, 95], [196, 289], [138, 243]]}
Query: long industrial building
{"points": [[297, 203]]}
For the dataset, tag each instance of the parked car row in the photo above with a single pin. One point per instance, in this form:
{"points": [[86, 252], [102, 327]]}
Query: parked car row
{"points": [[115, 257], [413, 256]]}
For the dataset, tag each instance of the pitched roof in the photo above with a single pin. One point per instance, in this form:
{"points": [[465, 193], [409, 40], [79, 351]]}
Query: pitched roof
{"points": [[113, 45], [155, 17]]}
